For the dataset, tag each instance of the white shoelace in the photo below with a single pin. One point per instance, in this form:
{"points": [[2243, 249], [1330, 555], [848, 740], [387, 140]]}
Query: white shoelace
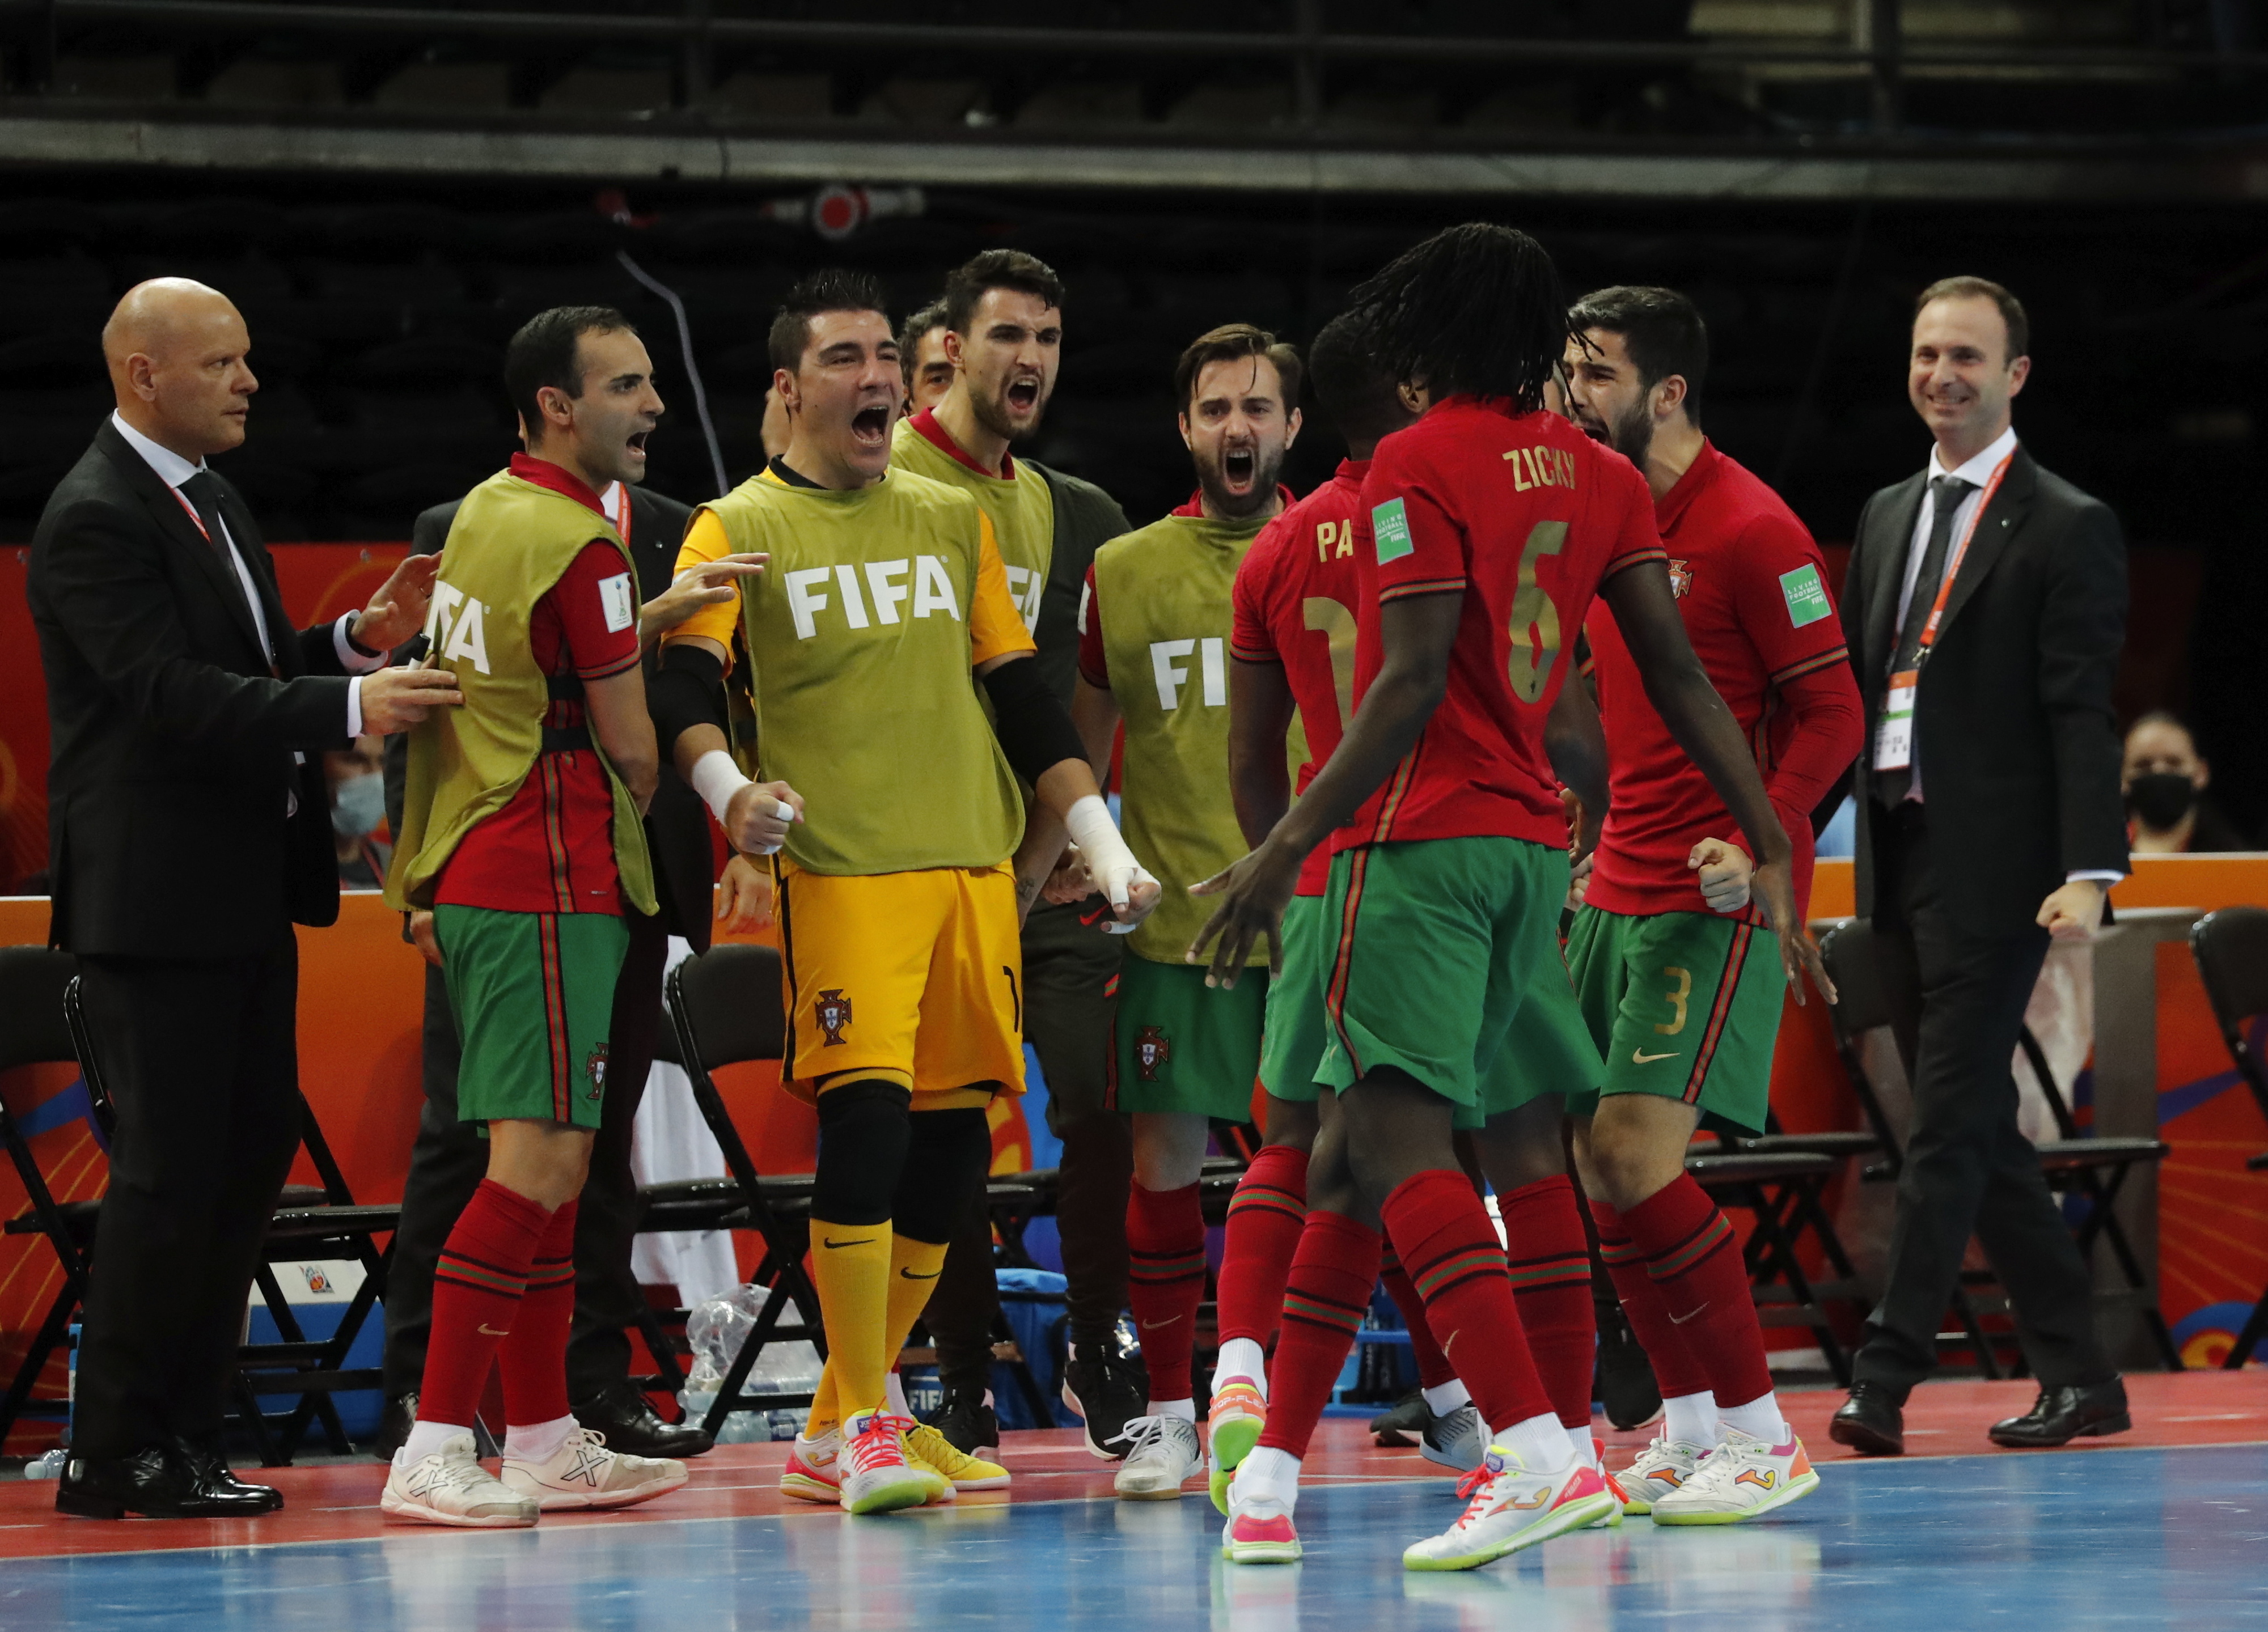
{"points": [[1146, 1433]]}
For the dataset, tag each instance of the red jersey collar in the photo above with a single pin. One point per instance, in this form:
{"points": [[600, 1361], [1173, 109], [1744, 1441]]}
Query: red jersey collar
{"points": [[1698, 474], [559, 478], [1195, 505], [940, 438], [1351, 471]]}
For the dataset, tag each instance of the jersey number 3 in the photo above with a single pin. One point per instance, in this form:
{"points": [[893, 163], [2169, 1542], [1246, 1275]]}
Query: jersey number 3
{"points": [[1534, 619]]}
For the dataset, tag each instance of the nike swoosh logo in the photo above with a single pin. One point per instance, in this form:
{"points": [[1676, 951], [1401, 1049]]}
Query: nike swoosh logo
{"points": [[1152, 1326], [910, 1275], [868, 1241], [489, 1331], [1680, 1319], [1648, 1059]]}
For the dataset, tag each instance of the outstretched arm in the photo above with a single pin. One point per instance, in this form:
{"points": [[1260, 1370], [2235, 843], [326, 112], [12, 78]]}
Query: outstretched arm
{"points": [[1417, 633]]}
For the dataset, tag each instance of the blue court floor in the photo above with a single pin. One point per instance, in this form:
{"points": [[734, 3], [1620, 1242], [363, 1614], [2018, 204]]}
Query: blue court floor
{"points": [[2061, 1543]]}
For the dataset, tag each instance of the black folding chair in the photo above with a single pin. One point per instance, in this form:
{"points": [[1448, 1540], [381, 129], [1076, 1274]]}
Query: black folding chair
{"points": [[2092, 1168], [2231, 949], [33, 1031]]}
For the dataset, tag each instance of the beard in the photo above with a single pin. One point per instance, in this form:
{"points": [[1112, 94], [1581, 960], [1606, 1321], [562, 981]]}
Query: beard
{"points": [[1632, 435], [991, 412], [1267, 463]]}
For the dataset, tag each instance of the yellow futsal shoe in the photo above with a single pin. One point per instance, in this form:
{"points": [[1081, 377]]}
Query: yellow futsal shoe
{"points": [[1240, 1411], [1741, 1479], [959, 1469], [876, 1477]]}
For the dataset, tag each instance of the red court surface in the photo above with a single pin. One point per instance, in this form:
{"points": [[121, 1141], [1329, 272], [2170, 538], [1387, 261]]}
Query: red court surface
{"points": [[339, 1502]]}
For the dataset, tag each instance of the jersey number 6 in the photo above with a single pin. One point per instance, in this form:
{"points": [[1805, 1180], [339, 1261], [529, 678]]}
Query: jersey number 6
{"points": [[1534, 620]]}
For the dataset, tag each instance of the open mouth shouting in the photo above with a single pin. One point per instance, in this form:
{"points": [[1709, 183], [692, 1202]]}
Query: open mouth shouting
{"points": [[1238, 466], [634, 446], [871, 426], [1024, 397]]}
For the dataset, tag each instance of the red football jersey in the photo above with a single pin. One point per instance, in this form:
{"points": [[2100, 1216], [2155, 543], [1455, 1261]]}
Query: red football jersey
{"points": [[1752, 588], [551, 849], [1524, 516], [1294, 601]]}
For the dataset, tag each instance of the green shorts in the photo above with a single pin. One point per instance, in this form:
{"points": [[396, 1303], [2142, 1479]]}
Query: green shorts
{"points": [[1181, 1045], [1686, 1005], [533, 994], [1446, 965], [1297, 1030]]}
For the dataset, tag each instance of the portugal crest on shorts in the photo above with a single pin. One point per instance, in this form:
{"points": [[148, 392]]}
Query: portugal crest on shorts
{"points": [[594, 1072], [832, 1011], [1151, 1050], [1681, 579]]}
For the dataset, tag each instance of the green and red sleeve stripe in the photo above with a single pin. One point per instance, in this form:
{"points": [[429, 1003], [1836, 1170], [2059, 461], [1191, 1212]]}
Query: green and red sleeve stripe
{"points": [[1421, 586], [1810, 665]]}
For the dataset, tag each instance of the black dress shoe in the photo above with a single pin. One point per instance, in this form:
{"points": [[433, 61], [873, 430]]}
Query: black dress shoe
{"points": [[629, 1423], [1872, 1422], [393, 1425], [2060, 1415], [209, 1471], [154, 1481]]}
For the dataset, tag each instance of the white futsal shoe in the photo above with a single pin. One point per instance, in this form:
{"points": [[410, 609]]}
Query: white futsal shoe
{"points": [[1662, 1470], [582, 1472], [1161, 1456], [1742, 1479], [1511, 1509], [450, 1486]]}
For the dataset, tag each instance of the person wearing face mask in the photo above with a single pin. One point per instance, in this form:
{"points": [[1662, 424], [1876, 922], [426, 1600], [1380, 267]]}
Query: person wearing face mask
{"points": [[2164, 779], [357, 781]]}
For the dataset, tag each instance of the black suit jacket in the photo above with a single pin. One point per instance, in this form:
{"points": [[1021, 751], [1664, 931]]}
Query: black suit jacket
{"points": [[677, 823], [2018, 744], [170, 766]]}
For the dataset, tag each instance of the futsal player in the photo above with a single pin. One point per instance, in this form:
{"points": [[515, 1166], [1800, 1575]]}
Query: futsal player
{"points": [[1153, 654], [1677, 969], [921, 358], [522, 835], [1003, 323], [898, 910], [1490, 525]]}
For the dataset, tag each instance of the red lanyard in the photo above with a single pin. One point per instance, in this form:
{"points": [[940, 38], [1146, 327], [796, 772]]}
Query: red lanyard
{"points": [[190, 511], [1953, 563]]}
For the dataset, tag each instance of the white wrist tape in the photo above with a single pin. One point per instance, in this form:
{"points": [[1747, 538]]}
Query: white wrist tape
{"points": [[1110, 861], [718, 780]]}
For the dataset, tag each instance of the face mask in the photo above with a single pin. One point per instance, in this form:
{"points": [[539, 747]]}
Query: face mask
{"points": [[2161, 798], [358, 805]]}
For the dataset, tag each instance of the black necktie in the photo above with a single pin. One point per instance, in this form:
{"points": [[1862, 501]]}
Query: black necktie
{"points": [[1945, 494], [203, 491]]}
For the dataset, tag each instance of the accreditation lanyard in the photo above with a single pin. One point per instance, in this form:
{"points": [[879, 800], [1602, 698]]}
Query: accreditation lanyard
{"points": [[228, 561], [1894, 741]]}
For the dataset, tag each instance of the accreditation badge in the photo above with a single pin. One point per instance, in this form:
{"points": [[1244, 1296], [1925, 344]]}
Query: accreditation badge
{"points": [[1893, 737]]}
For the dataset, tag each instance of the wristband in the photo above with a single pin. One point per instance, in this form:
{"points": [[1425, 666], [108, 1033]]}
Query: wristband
{"points": [[1099, 839], [718, 780]]}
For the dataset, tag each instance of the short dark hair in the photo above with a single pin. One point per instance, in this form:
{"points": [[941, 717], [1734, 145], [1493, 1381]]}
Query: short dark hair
{"points": [[919, 323], [546, 351], [1362, 398], [1475, 308], [996, 269], [2011, 310], [1661, 330], [1227, 342], [830, 288]]}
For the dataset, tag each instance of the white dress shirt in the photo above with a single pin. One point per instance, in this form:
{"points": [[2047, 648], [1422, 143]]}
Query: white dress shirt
{"points": [[173, 470], [1977, 472]]}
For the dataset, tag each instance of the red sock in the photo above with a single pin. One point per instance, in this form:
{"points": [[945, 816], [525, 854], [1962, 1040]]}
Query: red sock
{"points": [[1325, 1297], [1265, 1217], [1694, 1260], [535, 1357], [1433, 1367], [1450, 1249], [1165, 1271], [1550, 1260], [1676, 1367], [477, 1286]]}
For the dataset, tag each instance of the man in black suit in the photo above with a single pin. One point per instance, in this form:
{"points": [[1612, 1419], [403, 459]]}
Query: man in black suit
{"points": [[1984, 609], [449, 1157], [188, 718]]}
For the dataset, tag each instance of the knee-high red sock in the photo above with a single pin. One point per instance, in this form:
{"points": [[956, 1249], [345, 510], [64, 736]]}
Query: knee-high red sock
{"points": [[1265, 1217], [534, 1359], [1450, 1249], [1325, 1297], [1550, 1261], [1433, 1367], [1676, 1367], [477, 1286], [1694, 1260], [1165, 1270]]}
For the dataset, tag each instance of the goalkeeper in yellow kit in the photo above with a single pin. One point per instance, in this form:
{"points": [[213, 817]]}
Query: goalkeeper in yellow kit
{"points": [[897, 907]]}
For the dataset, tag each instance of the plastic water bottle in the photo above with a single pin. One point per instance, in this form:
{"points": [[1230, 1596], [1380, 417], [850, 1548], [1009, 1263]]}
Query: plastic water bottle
{"points": [[48, 1466]]}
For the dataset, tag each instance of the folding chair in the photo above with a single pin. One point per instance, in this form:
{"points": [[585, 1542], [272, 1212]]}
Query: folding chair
{"points": [[2094, 1169], [33, 1032], [1773, 1187], [2231, 949]]}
